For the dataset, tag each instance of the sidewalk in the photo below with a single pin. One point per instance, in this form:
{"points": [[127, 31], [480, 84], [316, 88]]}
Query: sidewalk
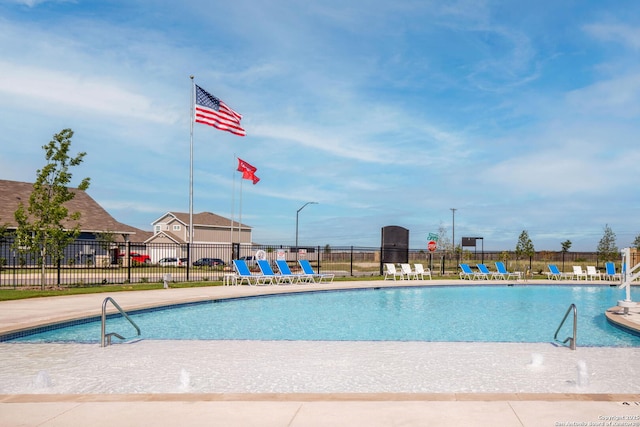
{"points": [[443, 409]]}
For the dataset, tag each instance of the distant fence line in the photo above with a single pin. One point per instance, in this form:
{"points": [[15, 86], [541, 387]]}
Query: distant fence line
{"points": [[92, 262]]}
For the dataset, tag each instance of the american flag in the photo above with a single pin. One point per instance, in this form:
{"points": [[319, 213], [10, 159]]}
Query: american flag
{"points": [[213, 112]]}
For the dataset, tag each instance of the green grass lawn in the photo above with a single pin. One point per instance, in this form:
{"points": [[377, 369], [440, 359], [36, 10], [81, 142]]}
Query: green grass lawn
{"points": [[13, 294]]}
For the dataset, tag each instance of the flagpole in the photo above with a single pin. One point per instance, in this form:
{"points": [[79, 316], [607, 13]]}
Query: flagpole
{"points": [[240, 218], [193, 89], [233, 201]]}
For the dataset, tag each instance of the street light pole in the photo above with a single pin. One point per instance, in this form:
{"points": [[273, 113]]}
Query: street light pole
{"points": [[297, 213], [453, 232]]}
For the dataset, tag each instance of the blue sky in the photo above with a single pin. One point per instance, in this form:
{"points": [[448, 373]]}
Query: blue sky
{"points": [[521, 115]]}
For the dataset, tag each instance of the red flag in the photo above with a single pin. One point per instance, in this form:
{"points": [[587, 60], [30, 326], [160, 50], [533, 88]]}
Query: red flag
{"points": [[213, 112], [248, 171]]}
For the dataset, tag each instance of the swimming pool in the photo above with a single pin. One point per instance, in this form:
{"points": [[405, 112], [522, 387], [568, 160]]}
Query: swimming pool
{"points": [[435, 313]]}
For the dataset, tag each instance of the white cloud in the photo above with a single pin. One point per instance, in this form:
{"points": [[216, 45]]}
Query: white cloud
{"points": [[33, 3], [618, 96], [46, 89], [620, 33]]}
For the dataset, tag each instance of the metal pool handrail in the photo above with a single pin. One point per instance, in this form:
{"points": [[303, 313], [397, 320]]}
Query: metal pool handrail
{"points": [[572, 340], [105, 339]]}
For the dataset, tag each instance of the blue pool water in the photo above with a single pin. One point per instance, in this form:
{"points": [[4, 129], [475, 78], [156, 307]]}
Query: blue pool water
{"points": [[441, 313]]}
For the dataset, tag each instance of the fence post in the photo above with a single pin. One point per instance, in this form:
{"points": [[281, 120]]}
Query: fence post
{"points": [[128, 260], [351, 261], [188, 260]]}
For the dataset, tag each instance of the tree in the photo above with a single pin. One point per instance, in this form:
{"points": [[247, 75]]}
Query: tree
{"points": [[3, 233], [524, 247], [107, 241], [636, 242], [607, 249], [45, 226], [566, 245], [444, 243]]}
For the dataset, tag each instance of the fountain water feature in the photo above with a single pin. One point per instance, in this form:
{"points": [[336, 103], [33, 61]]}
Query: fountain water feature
{"points": [[583, 374], [537, 361], [42, 380], [315, 367], [185, 381]]}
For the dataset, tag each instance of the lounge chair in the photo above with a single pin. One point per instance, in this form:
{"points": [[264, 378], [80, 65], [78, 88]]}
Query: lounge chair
{"points": [[554, 273], [502, 273], [466, 272], [610, 273], [578, 274], [593, 273], [244, 274], [390, 271], [483, 272], [307, 269], [267, 271], [286, 271], [420, 271], [408, 272]]}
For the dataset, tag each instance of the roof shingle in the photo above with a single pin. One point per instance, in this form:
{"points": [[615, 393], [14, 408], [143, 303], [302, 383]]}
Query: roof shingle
{"points": [[93, 217]]}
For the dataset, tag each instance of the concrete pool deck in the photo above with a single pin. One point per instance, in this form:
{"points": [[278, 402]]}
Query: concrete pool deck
{"points": [[289, 409]]}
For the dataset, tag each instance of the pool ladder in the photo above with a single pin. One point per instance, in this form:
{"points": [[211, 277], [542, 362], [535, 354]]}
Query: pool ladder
{"points": [[572, 340], [105, 338]]}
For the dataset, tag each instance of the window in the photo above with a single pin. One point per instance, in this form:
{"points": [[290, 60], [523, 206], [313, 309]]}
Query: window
{"points": [[156, 228], [176, 227]]}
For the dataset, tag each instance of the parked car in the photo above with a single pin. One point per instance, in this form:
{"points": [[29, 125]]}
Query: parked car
{"points": [[140, 258], [168, 262], [173, 262], [250, 259], [210, 262]]}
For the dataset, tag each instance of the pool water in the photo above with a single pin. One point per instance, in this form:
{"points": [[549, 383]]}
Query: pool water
{"points": [[524, 314]]}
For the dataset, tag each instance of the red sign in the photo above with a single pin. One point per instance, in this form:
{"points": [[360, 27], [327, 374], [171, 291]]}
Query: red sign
{"points": [[432, 245]]}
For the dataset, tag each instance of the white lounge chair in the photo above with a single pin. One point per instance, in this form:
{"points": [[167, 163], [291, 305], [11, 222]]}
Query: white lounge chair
{"points": [[420, 271], [391, 272], [593, 273], [578, 274], [408, 272]]}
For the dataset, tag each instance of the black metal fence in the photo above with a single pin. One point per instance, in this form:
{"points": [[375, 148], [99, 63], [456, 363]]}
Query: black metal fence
{"points": [[93, 262]]}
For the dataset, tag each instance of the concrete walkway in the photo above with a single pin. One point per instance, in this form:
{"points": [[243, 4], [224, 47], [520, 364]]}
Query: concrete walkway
{"points": [[442, 409]]}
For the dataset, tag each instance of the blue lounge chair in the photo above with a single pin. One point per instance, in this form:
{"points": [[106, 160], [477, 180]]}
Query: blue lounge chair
{"points": [[286, 271], [267, 271], [244, 274], [554, 273], [610, 273], [483, 272], [307, 269], [503, 273], [466, 272]]}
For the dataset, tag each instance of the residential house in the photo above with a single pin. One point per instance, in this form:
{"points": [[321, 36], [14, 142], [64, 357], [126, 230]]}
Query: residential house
{"points": [[94, 219], [212, 236]]}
